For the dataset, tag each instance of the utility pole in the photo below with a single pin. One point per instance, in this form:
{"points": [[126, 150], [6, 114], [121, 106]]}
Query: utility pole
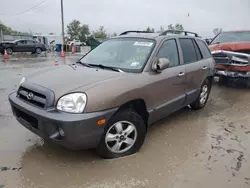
{"points": [[62, 53]]}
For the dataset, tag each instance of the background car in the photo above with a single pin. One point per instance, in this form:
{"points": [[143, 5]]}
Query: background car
{"points": [[22, 46], [76, 42], [231, 51]]}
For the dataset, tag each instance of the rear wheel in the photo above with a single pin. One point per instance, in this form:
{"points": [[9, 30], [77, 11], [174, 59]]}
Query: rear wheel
{"points": [[9, 51], [124, 135], [38, 50], [201, 100]]}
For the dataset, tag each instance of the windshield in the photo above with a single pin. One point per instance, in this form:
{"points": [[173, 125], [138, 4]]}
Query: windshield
{"points": [[243, 36], [127, 54]]}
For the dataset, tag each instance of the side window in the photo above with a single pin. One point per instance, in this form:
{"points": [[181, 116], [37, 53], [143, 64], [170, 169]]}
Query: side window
{"points": [[204, 49], [21, 42], [169, 50], [197, 50], [188, 50], [30, 42]]}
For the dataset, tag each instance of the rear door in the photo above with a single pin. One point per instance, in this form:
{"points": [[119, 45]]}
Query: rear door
{"points": [[196, 68], [30, 46], [168, 85]]}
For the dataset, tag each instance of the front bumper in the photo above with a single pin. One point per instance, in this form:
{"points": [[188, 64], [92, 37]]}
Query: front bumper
{"points": [[232, 74], [80, 130]]}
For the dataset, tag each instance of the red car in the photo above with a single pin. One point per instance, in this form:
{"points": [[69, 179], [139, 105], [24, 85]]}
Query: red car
{"points": [[231, 51]]}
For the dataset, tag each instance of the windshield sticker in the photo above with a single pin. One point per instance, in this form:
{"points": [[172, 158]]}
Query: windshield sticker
{"points": [[143, 44], [134, 64]]}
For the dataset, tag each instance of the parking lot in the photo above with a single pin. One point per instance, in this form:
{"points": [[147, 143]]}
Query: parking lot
{"points": [[208, 148]]}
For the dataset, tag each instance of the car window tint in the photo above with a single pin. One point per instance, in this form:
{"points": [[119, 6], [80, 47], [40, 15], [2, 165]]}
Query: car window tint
{"points": [[169, 50], [204, 49], [188, 50], [197, 50], [21, 42], [30, 42]]}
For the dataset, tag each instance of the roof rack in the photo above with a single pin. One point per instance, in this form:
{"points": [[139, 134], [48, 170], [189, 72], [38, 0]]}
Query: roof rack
{"points": [[134, 31], [179, 32]]}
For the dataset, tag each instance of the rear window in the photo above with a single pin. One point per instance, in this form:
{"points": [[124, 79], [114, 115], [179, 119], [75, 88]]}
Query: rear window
{"points": [[188, 50], [204, 49]]}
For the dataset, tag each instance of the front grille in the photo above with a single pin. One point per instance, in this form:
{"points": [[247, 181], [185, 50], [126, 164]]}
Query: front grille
{"points": [[31, 120], [36, 98], [221, 58]]}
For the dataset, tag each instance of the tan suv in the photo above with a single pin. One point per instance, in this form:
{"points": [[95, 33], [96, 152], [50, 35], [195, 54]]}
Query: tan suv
{"points": [[110, 96]]}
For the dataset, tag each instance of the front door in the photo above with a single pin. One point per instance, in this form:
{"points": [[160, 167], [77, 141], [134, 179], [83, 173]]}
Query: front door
{"points": [[168, 86]]}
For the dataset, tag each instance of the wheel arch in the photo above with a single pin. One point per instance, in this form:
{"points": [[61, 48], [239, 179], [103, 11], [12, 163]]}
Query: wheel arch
{"points": [[139, 106]]}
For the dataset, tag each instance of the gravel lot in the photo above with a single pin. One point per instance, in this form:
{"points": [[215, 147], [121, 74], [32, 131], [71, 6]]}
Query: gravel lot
{"points": [[208, 148]]}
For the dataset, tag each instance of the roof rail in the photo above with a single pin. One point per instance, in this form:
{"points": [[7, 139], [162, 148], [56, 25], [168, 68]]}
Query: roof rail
{"points": [[134, 31], [179, 32]]}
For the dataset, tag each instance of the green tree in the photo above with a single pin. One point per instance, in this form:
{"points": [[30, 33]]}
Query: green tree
{"points": [[100, 33], [84, 33], [177, 26], [7, 30], [73, 29], [150, 30]]}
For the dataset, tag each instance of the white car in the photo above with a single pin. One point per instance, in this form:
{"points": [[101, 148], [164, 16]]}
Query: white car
{"points": [[76, 42]]}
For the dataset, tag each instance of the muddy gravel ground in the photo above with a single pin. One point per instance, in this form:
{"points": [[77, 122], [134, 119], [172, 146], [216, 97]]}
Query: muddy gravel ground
{"points": [[206, 148]]}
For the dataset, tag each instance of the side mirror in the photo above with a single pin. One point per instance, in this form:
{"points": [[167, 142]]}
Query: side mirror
{"points": [[161, 64]]}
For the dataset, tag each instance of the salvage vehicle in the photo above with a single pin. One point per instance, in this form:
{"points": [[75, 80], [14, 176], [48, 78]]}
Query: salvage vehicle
{"points": [[231, 51], [22, 46], [109, 98]]}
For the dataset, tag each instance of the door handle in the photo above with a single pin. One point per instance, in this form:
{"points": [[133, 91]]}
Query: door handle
{"points": [[204, 68], [181, 74]]}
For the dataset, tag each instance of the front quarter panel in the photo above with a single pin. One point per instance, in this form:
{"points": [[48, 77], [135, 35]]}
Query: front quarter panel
{"points": [[117, 92]]}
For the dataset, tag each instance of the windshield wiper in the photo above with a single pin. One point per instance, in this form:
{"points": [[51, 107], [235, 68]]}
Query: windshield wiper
{"points": [[84, 64], [105, 67]]}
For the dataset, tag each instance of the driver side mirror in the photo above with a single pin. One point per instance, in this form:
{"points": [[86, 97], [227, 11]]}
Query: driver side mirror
{"points": [[160, 64]]}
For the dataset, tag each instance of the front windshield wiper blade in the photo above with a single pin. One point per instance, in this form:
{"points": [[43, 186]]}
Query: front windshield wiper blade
{"points": [[84, 64], [105, 67]]}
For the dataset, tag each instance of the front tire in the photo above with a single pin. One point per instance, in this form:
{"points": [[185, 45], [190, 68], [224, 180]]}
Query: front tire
{"points": [[201, 100], [124, 135], [223, 80], [9, 51]]}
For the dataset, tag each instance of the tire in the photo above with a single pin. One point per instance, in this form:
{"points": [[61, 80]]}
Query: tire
{"points": [[223, 80], [127, 119], [38, 50], [9, 51], [200, 102]]}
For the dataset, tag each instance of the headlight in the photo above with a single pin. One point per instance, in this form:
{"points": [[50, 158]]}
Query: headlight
{"points": [[22, 81], [72, 103]]}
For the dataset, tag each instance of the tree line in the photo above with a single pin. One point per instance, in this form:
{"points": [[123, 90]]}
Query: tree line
{"points": [[78, 31]]}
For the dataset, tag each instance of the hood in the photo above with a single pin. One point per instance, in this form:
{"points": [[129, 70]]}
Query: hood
{"points": [[64, 79], [232, 46]]}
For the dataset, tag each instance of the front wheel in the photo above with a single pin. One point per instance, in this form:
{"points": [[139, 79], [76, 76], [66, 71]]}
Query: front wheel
{"points": [[201, 100], [124, 135], [9, 51]]}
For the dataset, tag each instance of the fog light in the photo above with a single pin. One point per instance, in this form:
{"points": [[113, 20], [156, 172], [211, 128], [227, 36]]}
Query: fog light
{"points": [[61, 132]]}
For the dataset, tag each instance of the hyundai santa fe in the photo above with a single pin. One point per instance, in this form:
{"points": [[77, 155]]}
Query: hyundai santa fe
{"points": [[109, 98]]}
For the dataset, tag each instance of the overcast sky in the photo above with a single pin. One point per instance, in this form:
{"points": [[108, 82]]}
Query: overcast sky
{"points": [[120, 15]]}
